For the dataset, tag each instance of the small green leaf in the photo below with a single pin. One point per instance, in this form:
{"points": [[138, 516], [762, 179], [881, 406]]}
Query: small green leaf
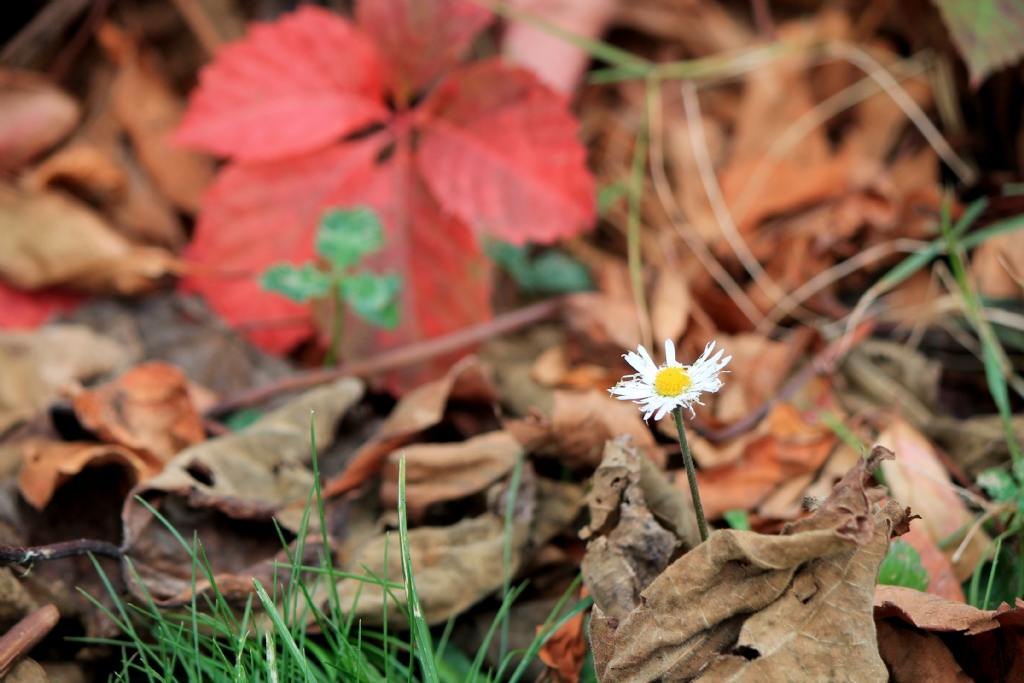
{"points": [[737, 519], [608, 195], [241, 419], [987, 33], [551, 272], [298, 284], [346, 236], [999, 485], [902, 567], [374, 298]]}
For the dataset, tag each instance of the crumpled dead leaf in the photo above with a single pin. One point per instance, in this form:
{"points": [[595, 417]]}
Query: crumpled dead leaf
{"points": [[50, 239], [149, 110], [747, 607], [975, 645], [230, 490], [34, 116], [635, 530], [147, 409], [457, 566], [447, 471], [421, 408], [38, 364], [48, 465]]}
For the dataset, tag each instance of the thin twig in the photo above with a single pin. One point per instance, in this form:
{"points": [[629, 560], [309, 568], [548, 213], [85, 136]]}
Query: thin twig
{"points": [[714, 194], [396, 358], [11, 554], [676, 215], [25, 635], [823, 362]]}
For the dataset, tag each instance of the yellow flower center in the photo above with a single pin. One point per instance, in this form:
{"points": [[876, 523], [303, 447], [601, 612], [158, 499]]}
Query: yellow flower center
{"points": [[671, 381]]}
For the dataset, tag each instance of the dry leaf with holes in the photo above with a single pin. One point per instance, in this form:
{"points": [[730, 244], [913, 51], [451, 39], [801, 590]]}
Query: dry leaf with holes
{"points": [[438, 472], [748, 607]]}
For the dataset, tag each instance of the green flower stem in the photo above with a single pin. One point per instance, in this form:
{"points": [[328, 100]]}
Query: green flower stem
{"points": [[691, 475], [338, 328]]}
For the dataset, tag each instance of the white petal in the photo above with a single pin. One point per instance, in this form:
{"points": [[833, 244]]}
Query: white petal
{"points": [[670, 352]]}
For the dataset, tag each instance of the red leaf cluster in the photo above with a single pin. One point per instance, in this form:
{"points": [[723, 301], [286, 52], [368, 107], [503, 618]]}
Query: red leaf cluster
{"points": [[315, 112]]}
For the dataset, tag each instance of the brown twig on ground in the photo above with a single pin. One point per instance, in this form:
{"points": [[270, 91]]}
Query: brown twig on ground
{"points": [[25, 635], [40, 32], [396, 358], [12, 554], [820, 364]]}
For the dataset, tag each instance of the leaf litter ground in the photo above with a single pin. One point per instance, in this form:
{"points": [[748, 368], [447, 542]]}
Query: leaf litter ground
{"points": [[753, 211]]}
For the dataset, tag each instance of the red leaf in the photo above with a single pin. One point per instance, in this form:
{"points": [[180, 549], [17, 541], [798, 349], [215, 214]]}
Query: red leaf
{"points": [[258, 214], [420, 39], [502, 154], [288, 87], [21, 310], [255, 215]]}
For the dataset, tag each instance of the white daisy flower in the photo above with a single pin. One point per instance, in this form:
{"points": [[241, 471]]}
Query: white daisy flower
{"points": [[660, 389]]}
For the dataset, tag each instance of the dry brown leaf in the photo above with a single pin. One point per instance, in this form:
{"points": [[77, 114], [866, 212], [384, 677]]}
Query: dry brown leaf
{"points": [[149, 110], [50, 239], [747, 607], [930, 612], [580, 424], [789, 447], [419, 409], [758, 367], [231, 490], [448, 471], [627, 547], [915, 657], [998, 266], [38, 365], [457, 566], [147, 409], [921, 481], [116, 186], [565, 649], [48, 465], [34, 116]]}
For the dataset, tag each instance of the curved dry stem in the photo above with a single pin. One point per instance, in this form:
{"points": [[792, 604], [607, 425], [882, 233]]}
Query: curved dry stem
{"points": [[869, 65], [714, 194], [677, 216], [811, 119]]}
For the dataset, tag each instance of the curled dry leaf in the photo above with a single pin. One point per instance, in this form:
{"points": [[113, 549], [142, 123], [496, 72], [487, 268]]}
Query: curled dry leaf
{"points": [[50, 239], [915, 657], [635, 530], [418, 410], [230, 490], [34, 116], [48, 465], [147, 409], [747, 607], [147, 107], [457, 566], [447, 471], [37, 365], [565, 649]]}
